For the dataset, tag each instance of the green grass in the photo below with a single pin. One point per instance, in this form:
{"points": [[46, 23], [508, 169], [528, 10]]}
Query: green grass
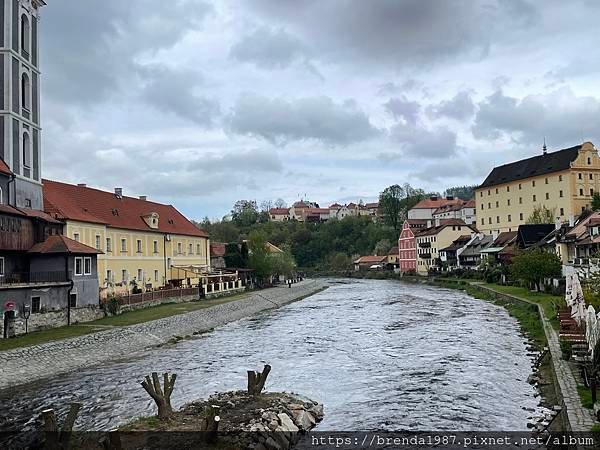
{"points": [[162, 311], [40, 337], [549, 303], [125, 319], [585, 395]]}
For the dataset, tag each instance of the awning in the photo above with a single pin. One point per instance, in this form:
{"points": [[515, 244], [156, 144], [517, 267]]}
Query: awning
{"points": [[492, 250]]}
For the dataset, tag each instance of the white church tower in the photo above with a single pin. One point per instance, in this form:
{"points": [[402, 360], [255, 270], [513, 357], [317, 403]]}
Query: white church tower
{"points": [[20, 132]]}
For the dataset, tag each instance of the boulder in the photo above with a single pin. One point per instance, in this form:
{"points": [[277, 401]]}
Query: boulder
{"points": [[317, 412], [303, 419], [287, 424]]}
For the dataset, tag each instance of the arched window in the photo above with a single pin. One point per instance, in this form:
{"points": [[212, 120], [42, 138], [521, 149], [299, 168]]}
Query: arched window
{"points": [[26, 150], [1, 197], [25, 33], [25, 92]]}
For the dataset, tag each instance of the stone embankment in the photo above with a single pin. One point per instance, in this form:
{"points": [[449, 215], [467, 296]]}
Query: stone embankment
{"points": [[269, 421], [28, 364]]}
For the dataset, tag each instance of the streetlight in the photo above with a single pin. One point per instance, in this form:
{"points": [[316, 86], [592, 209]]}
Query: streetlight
{"points": [[26, 315]]}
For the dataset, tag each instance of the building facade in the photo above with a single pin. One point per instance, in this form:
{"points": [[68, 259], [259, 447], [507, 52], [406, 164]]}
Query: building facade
{"points": [[563, 181], [407, 245], [143, 243], [425, 209]]}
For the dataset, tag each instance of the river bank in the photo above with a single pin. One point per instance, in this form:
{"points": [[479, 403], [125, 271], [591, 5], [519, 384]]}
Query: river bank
{"points": [[29, 364]]}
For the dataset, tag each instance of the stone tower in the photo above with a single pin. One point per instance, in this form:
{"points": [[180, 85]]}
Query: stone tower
{"points": [[20, 133]]}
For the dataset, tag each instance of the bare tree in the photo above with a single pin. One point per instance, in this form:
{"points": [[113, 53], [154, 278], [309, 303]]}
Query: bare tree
{"points": [[162, 399], [280, 203], [57, 438], [257, 380]]}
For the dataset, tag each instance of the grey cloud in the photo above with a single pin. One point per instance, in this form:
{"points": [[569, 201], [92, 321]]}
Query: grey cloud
{"points": [[268, 48], [314, 118], [176, 91], [423, 143], [90, 49], [561, 116], [460, 107], [397, 33], [401, 108]]}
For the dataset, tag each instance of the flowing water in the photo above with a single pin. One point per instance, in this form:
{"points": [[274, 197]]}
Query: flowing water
{"points": [[378, 355]]}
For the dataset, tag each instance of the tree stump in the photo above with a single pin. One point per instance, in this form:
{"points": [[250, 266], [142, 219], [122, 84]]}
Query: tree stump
{"points": [[210, 423], [57, 438], [162, 399], [112, 441], [257, 380]]}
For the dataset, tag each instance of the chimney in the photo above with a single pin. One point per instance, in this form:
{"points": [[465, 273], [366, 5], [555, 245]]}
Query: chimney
{"points": [[119, 192], [544, 148], [143, 197], [82, 185]]}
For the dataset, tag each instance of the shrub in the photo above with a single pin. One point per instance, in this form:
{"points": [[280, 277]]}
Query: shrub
{"points": [[112, 306]]}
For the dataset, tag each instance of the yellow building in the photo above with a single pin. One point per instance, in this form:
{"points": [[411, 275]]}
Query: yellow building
{"points": [[142, 241], [433, 239], [563, 181]]}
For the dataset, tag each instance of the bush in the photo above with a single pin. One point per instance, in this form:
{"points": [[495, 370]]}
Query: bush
{"points": [[112, 306], [567, 350]]}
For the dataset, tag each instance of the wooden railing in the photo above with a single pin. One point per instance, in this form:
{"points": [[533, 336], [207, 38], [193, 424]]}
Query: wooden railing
{"points": [[134, 299]]}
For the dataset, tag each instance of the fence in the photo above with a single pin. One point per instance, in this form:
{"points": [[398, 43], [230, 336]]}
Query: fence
{"points": [[33, 278], [151, 296]]}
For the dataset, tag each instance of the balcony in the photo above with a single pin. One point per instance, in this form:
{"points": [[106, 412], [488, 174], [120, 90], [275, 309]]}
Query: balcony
{"points": [[25, 278], [425, 244]]}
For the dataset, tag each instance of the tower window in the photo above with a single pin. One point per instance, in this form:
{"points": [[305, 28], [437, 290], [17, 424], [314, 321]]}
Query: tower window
{"points": [[25, 92], [25, 33], [26, 150]]}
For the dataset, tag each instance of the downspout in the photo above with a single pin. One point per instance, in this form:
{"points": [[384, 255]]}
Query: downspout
{"points": [[165, 257], [69, 279]]}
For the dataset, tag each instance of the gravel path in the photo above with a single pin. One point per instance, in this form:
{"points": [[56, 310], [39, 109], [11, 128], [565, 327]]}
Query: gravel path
{"points": [[24, 365]]}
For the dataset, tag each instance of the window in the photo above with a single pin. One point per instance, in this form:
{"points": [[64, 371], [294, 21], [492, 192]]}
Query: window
{"points": [[560, 194], [191, 249], [76, 237], [36, 304], [560, 178], [591, 176], [520, 186], [533, 183], [73, 300], [139, 246], [26, 150], [140, 275], [580, 176], [87, 266], [481, 194], [546, 181], [520, 200], [1, 267], [592, 192], [156, 276], [124, 275], [497, 219], [509, 218], [108, 244], [78, 266], [562, 211], [1, 197], [507, 188], [109, 276], [496, 190], [520, 216], [97, 242], [28, 202], [589, 161], [155, 246], [497, 204], [534, 198], [508, 202], [482, 221], [489, 192], [489, 205], [25, 32], [482, 206], [25, 92], [179, 248], [123, 245], [547, 196], [198, 249], [581, 192]]}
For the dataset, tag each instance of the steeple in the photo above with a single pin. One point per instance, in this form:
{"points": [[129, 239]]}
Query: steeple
{"points": [[20, 129], [544, 148]]}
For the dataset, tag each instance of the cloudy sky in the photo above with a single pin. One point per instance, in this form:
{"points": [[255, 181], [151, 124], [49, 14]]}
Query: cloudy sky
{"points": [[199, 103]]}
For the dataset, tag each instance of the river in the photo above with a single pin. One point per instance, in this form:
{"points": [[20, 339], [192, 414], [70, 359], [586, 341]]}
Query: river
{"points": [[378, 354]]}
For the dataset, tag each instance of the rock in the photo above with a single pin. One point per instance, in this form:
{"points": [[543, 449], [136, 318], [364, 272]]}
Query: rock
{"points": [[283, 438], [270, 444], [557, 408], [273, 424], [303, 419], [294, 406], [287, 424], [530, 425], [317, 412]]}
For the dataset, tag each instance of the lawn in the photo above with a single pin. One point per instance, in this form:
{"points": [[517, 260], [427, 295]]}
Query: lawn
{"points": [[122, 320], [550, 303]]}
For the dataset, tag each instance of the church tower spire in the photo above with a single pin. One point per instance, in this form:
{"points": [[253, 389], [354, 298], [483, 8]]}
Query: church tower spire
{"points": [[20, 131]]}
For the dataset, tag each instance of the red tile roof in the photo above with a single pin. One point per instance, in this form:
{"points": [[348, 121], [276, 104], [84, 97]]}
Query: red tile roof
{"points": [[394, 251], [372, 205], [279, 211], [39, 214], [443, 224], [430, 203], [370, 259], [6, 209], [4, 168], [335, 205], [67, 201], [63, 245]]}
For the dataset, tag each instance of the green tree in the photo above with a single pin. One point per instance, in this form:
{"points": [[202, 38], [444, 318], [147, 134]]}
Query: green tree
{"points": [[339, 261], [245, 213], [283, 263], [382, 248], [532, 266], [395, 202], [541, 215], [596, 201], [462, 192], [258, 255]]}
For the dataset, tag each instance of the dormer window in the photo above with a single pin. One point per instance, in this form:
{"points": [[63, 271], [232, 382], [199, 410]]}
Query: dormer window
{"points": [[152, 220]]}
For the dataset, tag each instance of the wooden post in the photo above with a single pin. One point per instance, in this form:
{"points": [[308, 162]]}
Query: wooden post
{"points": [[257, 380], [162, 399], [56, 438], [210, 423]]}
